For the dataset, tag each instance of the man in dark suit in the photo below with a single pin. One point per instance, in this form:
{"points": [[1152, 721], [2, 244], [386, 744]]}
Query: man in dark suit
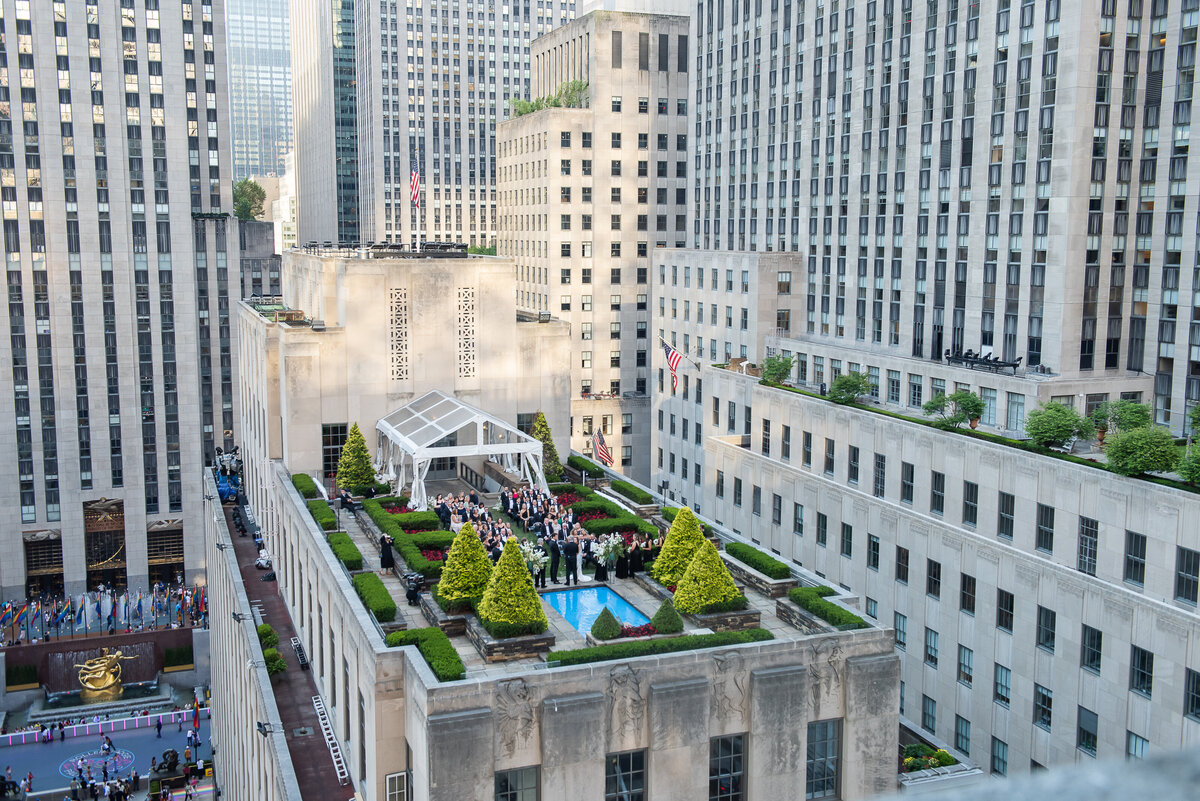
{"points": [[570, 551], [539, 578], [552, 546]]}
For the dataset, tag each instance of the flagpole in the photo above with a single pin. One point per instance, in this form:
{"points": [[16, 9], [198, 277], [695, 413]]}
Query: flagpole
{"points": [[680, 352]]}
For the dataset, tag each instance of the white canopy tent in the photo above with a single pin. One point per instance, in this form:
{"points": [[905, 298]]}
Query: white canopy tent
{"points": [[436, 425]]}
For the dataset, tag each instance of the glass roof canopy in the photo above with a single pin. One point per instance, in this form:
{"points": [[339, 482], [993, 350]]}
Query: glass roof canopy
{"points": [[438, 425]]}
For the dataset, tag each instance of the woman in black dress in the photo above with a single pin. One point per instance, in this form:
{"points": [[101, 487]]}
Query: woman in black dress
{"points": [[635, 555], [386, 559]]}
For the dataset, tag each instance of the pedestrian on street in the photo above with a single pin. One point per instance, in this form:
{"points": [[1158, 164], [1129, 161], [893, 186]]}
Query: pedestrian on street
{"points": [[158, 727]]}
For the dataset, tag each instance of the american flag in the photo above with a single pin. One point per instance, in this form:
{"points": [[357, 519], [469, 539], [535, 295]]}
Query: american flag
{"points": [[673, 358], [601, 448], [414, 188]]}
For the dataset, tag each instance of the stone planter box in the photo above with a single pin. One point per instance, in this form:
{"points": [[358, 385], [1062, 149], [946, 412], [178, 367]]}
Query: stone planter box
{"points": [[739, 620], [772, 588], [394, 625], [793, 615], [452, 625], [593, 642], [494, 650], [661, 593]]}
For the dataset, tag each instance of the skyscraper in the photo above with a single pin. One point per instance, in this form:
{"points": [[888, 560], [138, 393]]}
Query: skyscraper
{"points": [[381, 92], [260, 86], [585, 193], [116, 182]]}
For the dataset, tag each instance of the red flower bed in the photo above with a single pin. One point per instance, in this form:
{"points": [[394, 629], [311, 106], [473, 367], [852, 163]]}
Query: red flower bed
{"points": [[397, 510], [597, 515], [433, 554], [567, 499], [638, 631]]}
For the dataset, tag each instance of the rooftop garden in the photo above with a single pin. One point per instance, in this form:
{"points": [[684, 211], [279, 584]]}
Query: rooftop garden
{"points": [[571, 94]]}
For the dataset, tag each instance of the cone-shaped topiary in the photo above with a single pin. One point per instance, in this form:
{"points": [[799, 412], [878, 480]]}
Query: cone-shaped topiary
{"points": [[354, 470], [606, 626], [706, 583], [681, 544], [666, 620], [551, 464], [467, 568], [510, 605]]}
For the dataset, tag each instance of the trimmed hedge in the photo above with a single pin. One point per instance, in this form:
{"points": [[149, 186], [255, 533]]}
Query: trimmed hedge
{"points": [[465, 606], [325, 517], [173, 657], [409, 545], [811, 598], [267, 638], [437, 649], [579, 463], [758, 560], [606, 626], [419, 521], [669, 512], [274, 662], [618, 519], [375, 596], [305, 486], [667, 620], [578, 489], [345, 550], [635, 494], [629, 650]]}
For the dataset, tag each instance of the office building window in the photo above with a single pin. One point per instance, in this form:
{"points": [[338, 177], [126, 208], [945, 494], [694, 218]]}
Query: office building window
{"points": [[872, 608], [937, 493], [1089, 535], [880, 475], [517, 785], [1136, 746], [1141, 670], [1043, 703], [1002, 685], [333, 437], [906, 482], [931, 647], [1135, 558], [737, 492], [822, 529], [1191, 693], [847, 540], [900, 624], [901, 565], [962, 734], [829, 456], [872, 552], [933, 578], [1005, 606], [970, 503], [966, 665], [756, 500], [1046, 620], [823, 764], [852, 469], [966, 593], [625, 776], [1087, 731], [1090, 648], [1187, 575], [720, 483], [1004, 520], [928, 714], [1045, 528], [798, 519], [807, 449], [999, 757], [776, 509], [726, 767], [785, 444]]}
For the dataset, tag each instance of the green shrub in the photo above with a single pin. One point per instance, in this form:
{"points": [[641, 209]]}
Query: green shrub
{"points": [[510, 606], [382, 488], [1188, 467], [354, 470], [578, 489], [305, 486], [847, 388], [174, 657], [706, 585], [667, 620], [777, 368], [345, 550], [633, 493], [811, 598], [375, 596], [267, 638], [551, 464], [669, 512], [1149, 449], [581, 464], [606, 627], [1121, 415], [275, 662], [462, 606], [435, 647], [625, 522], [758, 560], [467, 568], [629, 650], [325, 517], [1052, 425], [954, 409], [419, 521], [681, 544]]}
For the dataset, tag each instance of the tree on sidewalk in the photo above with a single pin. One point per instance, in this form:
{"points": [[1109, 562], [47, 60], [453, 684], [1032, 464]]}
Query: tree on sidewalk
{"points": [[354, 466], [551, 464]]}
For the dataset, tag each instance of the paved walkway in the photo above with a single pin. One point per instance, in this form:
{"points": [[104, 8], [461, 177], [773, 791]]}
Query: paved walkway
{"points": [[294, 688]]}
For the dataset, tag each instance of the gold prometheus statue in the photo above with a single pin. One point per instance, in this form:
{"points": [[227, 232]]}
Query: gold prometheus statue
{"points": [[103, 672]]}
